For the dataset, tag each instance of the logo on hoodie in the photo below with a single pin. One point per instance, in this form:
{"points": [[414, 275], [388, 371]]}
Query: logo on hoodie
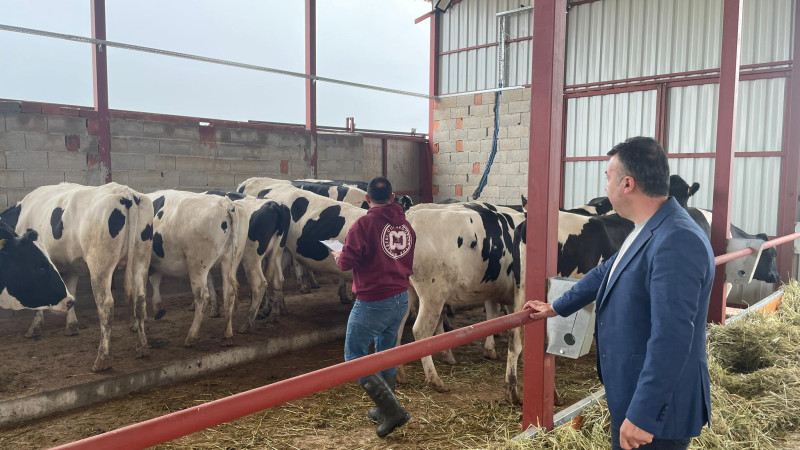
{"points": [[396, 240]]}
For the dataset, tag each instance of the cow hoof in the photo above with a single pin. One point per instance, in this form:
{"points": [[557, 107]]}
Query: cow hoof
{"points": [[143, 352], [345, 301], [33, 334], [191, 307], [490, 354], [133, 328], [161, 313], [101, 365], [189, 342], [439, 386], [227, 342], [305, 290], [557, 399], [244, 329], [512, 396], [401, 377], [71, 332]]}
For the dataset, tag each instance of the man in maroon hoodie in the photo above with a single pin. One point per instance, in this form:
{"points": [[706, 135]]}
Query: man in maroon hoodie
{"points": [[380, 250]]}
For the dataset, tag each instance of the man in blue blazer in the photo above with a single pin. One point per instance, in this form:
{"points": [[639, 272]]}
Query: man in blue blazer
{"points": [[652, 302]]}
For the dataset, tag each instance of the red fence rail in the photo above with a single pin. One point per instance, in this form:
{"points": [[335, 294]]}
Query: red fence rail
{"points": [[181, 423]]}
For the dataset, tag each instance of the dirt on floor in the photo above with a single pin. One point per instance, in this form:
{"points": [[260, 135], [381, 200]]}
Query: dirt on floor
{"points": [[473, 414]]}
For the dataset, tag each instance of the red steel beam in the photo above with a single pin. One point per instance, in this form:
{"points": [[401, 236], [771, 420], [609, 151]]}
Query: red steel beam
{"points": [[426, 151], [544, 175], [100, 81], [311, 86], [196, 418], [790, 166], [726, 138]]}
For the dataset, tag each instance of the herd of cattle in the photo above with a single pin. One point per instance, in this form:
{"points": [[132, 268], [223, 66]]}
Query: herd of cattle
{"points": [[466, 253]]}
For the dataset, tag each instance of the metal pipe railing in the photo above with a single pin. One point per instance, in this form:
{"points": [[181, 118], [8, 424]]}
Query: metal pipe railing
{"points": [[197, 418], [728, 257]]}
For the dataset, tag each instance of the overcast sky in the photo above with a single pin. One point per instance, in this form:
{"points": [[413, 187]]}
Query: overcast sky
{"points": [[371, 42]]}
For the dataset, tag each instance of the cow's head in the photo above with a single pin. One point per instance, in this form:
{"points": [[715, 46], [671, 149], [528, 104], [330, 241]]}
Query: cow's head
{"points": [[681, 190], [28, 279], [767, 268], [405, 201]]}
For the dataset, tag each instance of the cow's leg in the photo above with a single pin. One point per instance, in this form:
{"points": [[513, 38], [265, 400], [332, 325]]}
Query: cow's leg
{"points": [[312, 279], [514, 350], [492, 312], [155, 281], [229, 288], [430, 308], [448, 353], [274, 271], [401, 370], [199, 281], [71, 328], [213, 304], [300, 274], [101, 288], [35, 330], [343, 298]]}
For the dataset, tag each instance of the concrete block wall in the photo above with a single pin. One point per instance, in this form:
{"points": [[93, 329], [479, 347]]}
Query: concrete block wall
{"points": [[463, 133], [41, 149], [340, 156]]}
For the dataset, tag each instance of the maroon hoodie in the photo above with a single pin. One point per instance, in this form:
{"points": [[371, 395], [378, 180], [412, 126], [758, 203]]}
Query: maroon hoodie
{"points": [[380, 250]]}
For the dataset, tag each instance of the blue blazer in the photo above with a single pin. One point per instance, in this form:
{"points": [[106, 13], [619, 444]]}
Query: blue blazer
{"points": [[651, 326]]}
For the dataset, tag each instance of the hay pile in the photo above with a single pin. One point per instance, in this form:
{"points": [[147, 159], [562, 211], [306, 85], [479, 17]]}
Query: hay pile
{"points": [[755, 387]]}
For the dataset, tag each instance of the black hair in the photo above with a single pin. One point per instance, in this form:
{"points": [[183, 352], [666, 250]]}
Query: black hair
{"points": [[645, 160], [379, 190]]}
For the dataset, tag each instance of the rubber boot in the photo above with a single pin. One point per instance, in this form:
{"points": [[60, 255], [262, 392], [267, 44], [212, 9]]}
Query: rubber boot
{"points": [[391, 381], [388, 408]]}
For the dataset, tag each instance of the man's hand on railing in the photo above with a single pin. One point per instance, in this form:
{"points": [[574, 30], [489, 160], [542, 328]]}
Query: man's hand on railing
{"points": [[543, 310]]}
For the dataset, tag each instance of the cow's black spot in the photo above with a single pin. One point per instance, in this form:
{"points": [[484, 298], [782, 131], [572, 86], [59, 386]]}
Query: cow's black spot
{"points": [[498, 237], [460, 241], [11, 216], [328, 226], [136, 199], [241, 189], [470, 220], [25, 273], [56, 223], [224, 225], [299, 207], [263, 193], [160, 214], [341, 192], [158, 245], [147, 234], [266, 222], [115, 222], [474, 243], [125, 202], [490, 206], [219, 192], [433, 280], [157, 205], [235, 195], [364, 205]]}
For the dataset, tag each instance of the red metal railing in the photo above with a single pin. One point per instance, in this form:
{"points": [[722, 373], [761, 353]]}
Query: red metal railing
{"points": [[197, 418]]}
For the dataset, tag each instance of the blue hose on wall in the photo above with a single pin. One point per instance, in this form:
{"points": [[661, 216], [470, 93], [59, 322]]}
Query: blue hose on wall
{"points": [[485, 176]]}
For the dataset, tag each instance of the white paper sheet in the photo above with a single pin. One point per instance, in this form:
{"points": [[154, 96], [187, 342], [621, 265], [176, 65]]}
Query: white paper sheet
{"points": [[334, 245]]}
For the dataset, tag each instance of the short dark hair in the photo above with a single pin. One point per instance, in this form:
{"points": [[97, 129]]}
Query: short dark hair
{"points": [[645, 160], [379, 190]]}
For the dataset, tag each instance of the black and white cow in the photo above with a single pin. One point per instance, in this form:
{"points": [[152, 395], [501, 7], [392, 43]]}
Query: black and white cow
{"points": [[462, 257], [266, 230], [352, 192], [191, 234], [28, 279], [314, 218], [92, 230], [678, 188]]}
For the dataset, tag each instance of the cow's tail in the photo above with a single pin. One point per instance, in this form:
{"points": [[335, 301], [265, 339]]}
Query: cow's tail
{"points": [[139, 244], [235, 248]]}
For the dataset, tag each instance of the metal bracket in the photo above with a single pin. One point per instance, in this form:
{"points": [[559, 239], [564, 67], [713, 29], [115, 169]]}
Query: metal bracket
{"points": [[568, 336], [740, 271]]}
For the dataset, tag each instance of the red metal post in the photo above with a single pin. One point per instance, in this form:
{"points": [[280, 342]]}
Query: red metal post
{"points": [[384, 157], [723, 163], [790, 166], [197, 418], [544, 176], [311, 85], [426, 151], [100, 77]]}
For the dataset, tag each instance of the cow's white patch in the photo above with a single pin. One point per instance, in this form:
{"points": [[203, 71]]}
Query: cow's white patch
{"points": [[396, 240]]}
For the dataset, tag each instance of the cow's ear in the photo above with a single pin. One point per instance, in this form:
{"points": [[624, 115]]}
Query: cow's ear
{"points": [[524, 201], [762, 236], [694, 188], [30, 235], [6, 232]]}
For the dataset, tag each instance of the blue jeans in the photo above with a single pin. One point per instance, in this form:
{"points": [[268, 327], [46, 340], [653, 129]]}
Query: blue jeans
{"points": [[376, 321]]}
